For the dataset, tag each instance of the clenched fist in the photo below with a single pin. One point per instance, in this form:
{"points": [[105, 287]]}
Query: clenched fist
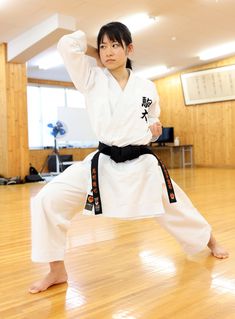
{"points": [[156, 129]]}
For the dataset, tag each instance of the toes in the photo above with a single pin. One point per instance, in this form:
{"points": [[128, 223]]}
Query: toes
{"points": [[36, 289], [33, 290], [220, 256]]}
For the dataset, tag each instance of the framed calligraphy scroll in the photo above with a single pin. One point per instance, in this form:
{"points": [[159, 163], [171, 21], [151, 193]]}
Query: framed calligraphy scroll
{"points": [[211, 85]]}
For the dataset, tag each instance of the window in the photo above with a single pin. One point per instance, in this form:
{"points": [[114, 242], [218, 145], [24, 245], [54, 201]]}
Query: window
{"points": [[43, 105]]}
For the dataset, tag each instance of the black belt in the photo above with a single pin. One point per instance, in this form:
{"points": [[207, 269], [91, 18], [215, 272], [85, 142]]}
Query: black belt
{"points": [[122, 154]]}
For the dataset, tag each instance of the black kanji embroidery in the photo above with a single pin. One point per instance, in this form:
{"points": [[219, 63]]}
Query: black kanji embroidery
{"points": [[144, 115], [146, 102]]}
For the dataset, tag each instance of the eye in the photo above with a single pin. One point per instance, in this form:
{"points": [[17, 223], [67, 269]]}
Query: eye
{"points": [[116, 45], [102, 46]]}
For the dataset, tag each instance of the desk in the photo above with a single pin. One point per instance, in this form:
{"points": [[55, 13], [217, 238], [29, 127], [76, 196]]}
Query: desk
{"points": [[182, 150]]}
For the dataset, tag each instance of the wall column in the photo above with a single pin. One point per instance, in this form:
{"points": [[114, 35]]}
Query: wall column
{"points": [[14, 151]]}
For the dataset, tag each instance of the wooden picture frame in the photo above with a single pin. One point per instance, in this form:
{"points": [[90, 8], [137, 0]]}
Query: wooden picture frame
{"points": [[210, 85]]}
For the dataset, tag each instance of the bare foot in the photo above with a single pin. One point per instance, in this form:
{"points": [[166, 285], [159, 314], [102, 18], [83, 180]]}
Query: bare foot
{"points": [[217, 250], [57, 275], [47, 282]]}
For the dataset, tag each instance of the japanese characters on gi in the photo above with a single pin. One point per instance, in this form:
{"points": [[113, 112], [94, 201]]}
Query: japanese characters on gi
{"points": [[146, 102]]}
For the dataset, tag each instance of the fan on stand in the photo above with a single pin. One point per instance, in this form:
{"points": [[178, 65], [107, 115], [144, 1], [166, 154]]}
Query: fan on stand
{"points": [[58, 130]]}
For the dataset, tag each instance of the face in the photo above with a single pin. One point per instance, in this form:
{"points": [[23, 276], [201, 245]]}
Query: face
{"points": [[112, 54]]}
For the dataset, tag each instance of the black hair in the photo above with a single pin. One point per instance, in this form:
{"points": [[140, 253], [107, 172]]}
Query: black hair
{"points": [[116, 31]]}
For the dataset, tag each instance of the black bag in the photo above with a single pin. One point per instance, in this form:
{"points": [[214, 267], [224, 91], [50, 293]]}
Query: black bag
{"points": [[32, 170], [33, 176]]}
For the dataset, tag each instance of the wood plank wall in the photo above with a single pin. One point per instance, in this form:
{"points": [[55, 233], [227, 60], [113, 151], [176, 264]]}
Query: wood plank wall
{"points": [[209, 127], [3, 112], [14, 154], [50, 82]]}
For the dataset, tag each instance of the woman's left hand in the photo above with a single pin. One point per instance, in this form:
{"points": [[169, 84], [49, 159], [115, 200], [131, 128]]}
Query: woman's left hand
{"points": [[156, 129]]}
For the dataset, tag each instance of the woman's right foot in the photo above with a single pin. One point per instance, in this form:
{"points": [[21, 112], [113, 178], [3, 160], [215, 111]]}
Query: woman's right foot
{"points": [[57, 275], [50, 280]]}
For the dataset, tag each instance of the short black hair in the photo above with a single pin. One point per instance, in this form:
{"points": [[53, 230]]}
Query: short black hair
{"points": [[115, 31]]}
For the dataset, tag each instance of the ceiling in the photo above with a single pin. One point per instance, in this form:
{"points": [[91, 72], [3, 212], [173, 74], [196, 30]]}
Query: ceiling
{"points": [[185, 28]]}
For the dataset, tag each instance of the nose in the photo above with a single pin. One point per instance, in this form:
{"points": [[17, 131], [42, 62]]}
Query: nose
{"points": [[109, 51]]}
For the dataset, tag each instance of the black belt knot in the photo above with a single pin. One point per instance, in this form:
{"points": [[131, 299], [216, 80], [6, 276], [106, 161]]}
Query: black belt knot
{"points": [[122, 154]]}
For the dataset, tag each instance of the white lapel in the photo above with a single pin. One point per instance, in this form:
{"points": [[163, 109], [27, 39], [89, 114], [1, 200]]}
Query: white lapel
{"points": [[118, 97]]}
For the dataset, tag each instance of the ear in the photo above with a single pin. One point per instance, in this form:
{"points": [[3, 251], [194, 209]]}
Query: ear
{"points": [[130, 49]]}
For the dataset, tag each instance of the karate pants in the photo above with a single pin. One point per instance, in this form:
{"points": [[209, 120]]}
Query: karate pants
{"points": [[58, 201]]}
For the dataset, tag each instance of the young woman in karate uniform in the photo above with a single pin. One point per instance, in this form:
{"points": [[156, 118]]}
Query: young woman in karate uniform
{"points": [[123, 110]]}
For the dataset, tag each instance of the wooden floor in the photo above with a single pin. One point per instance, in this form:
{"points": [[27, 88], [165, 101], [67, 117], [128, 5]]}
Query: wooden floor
{"points": [[123, 269]]}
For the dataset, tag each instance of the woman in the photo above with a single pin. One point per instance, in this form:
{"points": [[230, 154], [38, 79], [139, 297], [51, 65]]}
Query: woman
{"points": [[123, 179]]}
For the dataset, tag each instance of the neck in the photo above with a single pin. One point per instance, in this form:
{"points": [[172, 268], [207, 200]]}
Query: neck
{"points": [[121, 75]]}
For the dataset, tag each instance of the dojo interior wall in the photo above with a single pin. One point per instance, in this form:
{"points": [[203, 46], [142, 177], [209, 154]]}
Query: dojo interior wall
{"points": [[209, 127]]}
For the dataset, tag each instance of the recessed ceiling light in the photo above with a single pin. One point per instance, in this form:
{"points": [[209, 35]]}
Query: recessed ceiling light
{"points": [[151, 73], [139, 21], [218, 51]]}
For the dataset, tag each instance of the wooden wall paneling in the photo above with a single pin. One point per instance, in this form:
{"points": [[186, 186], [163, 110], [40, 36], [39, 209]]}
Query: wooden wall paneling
{"points": [[3, 111], [18, 124], [229, 132], [14, 132], [12, 110], [50, 82], [209, 127], [23, 120]]}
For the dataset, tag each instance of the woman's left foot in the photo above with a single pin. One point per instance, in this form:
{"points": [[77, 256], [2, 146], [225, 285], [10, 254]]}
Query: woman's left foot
{"points": [[217, 250]]}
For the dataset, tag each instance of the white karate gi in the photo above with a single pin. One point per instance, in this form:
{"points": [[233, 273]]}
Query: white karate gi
{"points": [[132, 189]]}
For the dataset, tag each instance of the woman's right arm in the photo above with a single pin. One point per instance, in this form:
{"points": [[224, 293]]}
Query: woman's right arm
{"points": [[93, 52], [73, 48]]}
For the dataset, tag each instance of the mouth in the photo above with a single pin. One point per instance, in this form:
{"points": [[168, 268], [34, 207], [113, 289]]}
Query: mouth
{"points": [[110, 60]]}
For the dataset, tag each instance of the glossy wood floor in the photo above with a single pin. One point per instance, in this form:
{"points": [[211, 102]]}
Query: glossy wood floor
{"points": [[123, 269]]}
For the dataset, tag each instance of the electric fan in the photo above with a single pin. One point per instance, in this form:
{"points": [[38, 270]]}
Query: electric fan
{"points": [[58, 130]]}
